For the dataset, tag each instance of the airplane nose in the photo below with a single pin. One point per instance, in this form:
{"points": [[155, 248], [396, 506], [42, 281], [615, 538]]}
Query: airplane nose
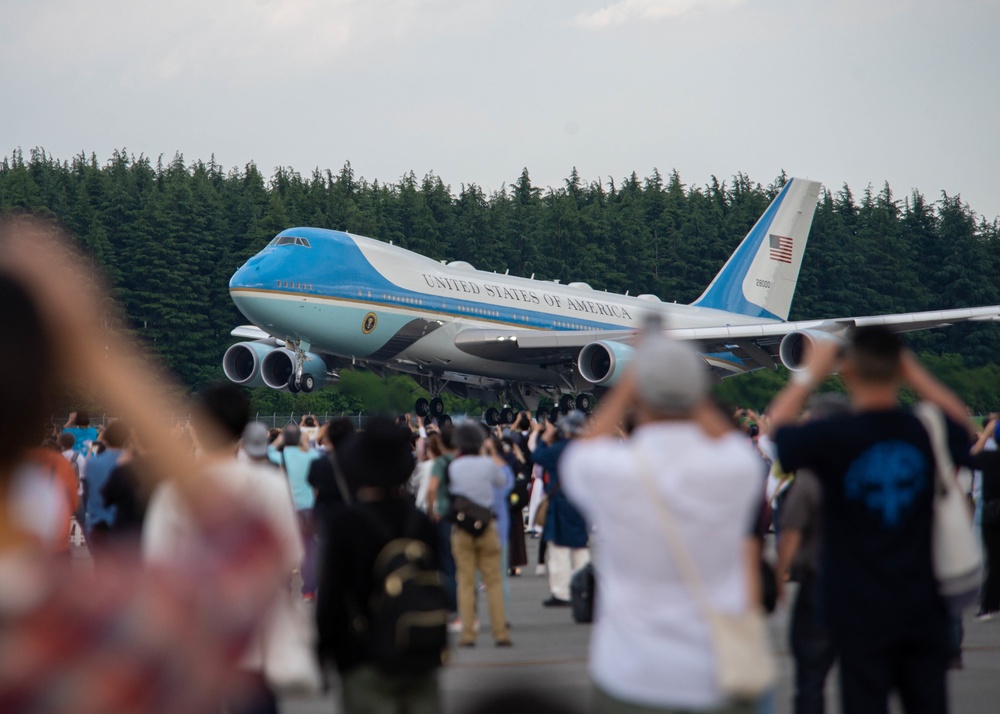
{"points": [[246, 274]]}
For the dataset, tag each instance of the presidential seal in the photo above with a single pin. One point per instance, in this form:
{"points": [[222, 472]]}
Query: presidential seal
{"points": [[369, 323]]}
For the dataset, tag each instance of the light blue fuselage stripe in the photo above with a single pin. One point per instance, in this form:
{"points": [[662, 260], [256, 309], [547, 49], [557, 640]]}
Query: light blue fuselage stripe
{"points": [[335, 271], [344, 273]]}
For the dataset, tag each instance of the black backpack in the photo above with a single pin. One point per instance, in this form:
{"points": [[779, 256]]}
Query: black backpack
{"points": [[407, 615]]}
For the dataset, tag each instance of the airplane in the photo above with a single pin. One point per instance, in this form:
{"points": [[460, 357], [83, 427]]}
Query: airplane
{"points": [[321, 301]]}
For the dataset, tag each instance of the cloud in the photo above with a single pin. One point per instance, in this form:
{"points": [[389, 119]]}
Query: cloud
{"points": [[232, 40], [624, 11]]}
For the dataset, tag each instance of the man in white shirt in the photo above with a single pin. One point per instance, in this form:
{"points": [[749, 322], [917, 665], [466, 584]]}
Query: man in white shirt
{"points": [[651, 649]]}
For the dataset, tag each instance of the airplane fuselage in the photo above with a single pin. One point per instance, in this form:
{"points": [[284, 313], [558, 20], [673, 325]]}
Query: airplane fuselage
{"points": [[361, 299]]}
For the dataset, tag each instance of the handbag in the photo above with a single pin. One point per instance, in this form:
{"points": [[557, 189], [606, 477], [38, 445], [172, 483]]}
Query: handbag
{"points": [[290, 664], [470, 516], [958, 566], [744, 665]]}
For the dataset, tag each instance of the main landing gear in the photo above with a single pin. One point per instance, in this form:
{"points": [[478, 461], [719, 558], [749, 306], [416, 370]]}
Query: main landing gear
{"points": [[567, 403], [432, 408], [584, 402]]}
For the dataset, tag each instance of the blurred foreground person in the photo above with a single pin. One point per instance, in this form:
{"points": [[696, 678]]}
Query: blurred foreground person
{"points": [[163, 640], [877, 471], [652, 649], [381, 611], [169, 531]]}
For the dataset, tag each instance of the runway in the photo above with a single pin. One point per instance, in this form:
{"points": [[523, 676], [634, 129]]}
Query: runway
{"points": [[550, 652]]}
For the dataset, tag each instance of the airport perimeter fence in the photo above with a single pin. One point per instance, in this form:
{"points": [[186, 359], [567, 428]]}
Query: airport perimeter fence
{"points": [[271, 421]]}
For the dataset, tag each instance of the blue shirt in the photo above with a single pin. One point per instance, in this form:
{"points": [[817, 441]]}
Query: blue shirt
{"points": [[84, 435], [296, 463], [501, 506], [99, 468], [564, 525]]}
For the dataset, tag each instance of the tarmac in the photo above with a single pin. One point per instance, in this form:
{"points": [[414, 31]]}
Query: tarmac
{"points": [[550, 656]]}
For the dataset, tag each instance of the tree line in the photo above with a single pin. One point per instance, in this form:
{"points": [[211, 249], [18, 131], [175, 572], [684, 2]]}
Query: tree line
{"points": [[169, 234]]}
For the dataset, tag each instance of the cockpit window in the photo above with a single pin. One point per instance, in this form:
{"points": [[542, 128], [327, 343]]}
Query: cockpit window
{"points": [[291, 240]]}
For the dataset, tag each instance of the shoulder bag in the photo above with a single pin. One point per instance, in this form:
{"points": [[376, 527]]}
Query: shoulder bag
{"points": [[958, 565], [290, 666], [744, 664]]}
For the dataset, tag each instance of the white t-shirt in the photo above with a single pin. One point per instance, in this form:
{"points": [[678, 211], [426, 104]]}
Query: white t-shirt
{"points": [[651, 643], [168, 530]]}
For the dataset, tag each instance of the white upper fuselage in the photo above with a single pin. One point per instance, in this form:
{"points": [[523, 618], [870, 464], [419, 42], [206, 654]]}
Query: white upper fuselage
{"points": [[324, 289]]}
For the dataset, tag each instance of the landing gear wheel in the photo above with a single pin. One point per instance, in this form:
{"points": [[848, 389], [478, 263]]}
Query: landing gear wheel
{"points": [[542, 415], [436, 407], [506, 415], [444, 420], [292, 386], [584, 402], [492, 416], [422, 408], [566, 403], [308, 383]]}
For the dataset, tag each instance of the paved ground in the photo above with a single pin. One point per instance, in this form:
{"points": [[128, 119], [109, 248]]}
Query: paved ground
{"points": [[550, 651]]}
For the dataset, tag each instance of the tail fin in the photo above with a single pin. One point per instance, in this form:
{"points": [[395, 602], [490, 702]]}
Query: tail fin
{"points": [[759, 278]]}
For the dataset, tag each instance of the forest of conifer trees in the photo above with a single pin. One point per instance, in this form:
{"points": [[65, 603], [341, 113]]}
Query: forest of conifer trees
{"points": [[169, 234]]}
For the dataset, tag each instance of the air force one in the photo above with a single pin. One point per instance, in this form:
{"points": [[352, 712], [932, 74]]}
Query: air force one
{"points": [[322, 300]]}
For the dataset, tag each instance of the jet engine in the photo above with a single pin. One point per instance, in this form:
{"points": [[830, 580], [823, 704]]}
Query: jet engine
{"points": [[602, 363], [793, 346], [242, 362], [278, 366]]}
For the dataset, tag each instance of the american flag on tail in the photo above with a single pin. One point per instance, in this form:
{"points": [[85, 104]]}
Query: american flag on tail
{"points": [[781, 248]]}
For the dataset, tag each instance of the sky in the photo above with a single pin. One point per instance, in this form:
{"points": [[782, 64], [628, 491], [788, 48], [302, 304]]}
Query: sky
{"points": [[844, 91]]}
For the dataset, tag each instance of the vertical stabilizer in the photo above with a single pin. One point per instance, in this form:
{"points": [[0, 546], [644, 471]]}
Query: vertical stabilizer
{"points": [[759, 278]]}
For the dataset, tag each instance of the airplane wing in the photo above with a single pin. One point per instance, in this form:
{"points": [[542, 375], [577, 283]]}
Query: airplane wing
{"points": [[250, 332], [755, 345]]}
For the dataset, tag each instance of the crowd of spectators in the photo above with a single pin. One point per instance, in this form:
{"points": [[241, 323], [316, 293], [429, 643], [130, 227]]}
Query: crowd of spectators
{"points": [[199, 535]]}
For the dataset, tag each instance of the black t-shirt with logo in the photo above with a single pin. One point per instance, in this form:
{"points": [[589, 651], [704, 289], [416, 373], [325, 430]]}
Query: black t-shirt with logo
{"points": [[877, 471]]}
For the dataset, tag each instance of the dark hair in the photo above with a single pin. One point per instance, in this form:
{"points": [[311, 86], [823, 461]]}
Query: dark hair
{"points": [[468, 438], [66, 440], [115, 434], [379, 456], [228, 410], [337, 430], [447, 430], [875, 354], [82, 418], [310, 421], [523, 422], [27, 398]]}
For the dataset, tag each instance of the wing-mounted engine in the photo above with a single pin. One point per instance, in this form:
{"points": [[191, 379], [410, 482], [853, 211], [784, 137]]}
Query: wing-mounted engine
{"points": [[794, 346], [263, 364], [242, 362], [603, 363], [278, 368]]}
